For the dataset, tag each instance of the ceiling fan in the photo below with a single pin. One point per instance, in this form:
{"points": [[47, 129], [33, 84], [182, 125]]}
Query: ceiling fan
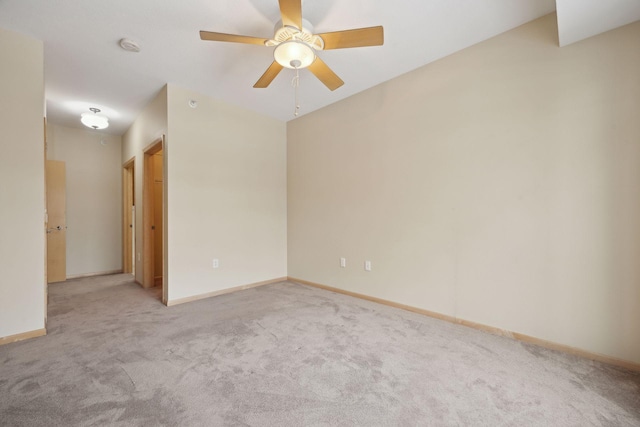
{"points": [[296, 45]]}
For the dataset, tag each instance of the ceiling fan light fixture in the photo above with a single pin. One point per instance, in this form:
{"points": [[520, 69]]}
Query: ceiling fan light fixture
{"points": [[294, 54], [94, 120], [295, 45]]}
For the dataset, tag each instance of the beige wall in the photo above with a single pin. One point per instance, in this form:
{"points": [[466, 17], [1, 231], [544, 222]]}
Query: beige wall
{"points": [[225, 189], [227, 198], [22, 238], [150, 126], [499, 185], [94, 197]]}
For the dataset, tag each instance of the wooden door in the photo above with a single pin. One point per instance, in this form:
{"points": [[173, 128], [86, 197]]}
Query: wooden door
{"points": [[128, 222], [57, 224], [157, 218], [149, 227]]}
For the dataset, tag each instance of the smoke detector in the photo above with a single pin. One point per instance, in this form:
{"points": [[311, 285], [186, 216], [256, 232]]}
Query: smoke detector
{"points": [[129, 45]]}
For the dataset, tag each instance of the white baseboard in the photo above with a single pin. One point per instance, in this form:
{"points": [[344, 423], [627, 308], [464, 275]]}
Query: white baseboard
{"points": [[223, 291], [490, 329], [23, 336], [99, 273]]}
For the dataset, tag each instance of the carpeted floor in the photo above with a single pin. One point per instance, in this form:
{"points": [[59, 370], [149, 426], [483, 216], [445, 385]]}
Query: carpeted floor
{"points": [[288, 355]]}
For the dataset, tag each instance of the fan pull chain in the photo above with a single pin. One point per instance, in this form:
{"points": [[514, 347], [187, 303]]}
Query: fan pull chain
{"points": [[296, 84]]}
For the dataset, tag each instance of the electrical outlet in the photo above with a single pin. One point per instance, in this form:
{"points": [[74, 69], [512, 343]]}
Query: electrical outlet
{"points": [[138, 256], [367, 265], [343, 262], [216, 263]]}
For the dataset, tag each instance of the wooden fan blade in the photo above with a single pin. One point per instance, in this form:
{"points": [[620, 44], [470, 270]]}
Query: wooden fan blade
{"points": [[325, 74], [222, 37], [268, 75], [371, 36], [291, 12]]}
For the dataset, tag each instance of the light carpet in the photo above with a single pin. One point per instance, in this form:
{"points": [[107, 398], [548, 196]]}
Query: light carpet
{"points": [[289, 355]]}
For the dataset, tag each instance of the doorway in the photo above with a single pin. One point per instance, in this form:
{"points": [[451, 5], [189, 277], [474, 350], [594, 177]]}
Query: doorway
{"points": [[153, 221], [128, 215]]}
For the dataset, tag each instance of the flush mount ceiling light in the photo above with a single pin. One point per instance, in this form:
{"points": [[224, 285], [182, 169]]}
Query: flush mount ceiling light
{"points": [[94, 120]]}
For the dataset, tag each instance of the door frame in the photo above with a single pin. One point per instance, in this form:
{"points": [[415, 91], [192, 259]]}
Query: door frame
{"points": [[46, 220], [128, 200], [148, 278]]}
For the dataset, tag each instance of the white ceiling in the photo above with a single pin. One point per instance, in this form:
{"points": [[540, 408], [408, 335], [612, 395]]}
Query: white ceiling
{"points": [[85, 67]]}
